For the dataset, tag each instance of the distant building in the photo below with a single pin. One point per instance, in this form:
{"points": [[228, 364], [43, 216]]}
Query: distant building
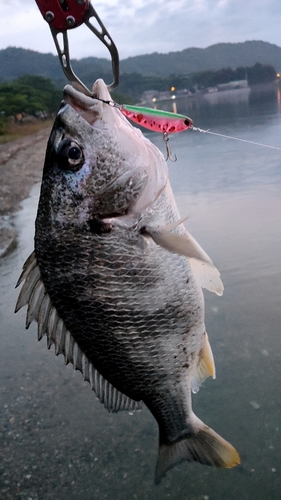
{"points": [[238, 84], [149, 95]]}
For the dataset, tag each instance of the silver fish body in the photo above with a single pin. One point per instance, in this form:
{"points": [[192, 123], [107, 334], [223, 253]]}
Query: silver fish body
{"points": [[114, 280]]}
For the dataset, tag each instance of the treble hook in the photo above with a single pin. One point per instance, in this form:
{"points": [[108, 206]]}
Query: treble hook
{"points": [[169, 156]]}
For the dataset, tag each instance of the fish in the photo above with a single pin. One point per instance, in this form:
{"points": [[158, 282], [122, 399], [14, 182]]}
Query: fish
{"points": [[115, 279]]}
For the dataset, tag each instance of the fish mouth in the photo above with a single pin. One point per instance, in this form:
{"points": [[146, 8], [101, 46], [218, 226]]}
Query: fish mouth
{"points": [[89, 108], [73, 96]]}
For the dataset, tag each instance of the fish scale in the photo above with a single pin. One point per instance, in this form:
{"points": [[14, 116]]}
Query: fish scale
{"points": [[141, 317]]}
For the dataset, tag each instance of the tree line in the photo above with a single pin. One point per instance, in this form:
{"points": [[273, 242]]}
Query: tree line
{"points": [[134, 84], [31, 94], [257, 74]]}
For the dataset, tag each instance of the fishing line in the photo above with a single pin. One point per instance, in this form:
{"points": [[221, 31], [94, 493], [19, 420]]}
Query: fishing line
{"points": [[168, 122], [197, 129]]}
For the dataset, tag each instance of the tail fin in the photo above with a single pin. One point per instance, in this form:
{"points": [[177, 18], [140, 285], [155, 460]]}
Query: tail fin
{"points": [[201, 445]]}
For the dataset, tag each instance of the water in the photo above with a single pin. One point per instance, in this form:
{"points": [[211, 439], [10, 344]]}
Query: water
{"points": [[58, 442]]}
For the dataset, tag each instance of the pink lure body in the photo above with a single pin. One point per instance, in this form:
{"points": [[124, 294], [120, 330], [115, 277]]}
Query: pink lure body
{"points": [[156, 120]]}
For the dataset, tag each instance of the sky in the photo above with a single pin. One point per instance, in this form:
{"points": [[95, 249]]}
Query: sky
{"points": [[145, 26]]}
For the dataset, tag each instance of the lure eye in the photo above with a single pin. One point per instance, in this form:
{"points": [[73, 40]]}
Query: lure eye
{"points": [[70, 155], [188, 122]]}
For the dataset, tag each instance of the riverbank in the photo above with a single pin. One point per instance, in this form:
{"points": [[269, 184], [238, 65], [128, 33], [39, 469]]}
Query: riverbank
{"points": [[21, 165]]}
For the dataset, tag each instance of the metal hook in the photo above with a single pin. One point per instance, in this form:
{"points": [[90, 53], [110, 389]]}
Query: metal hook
{"points": [[169, 156]]}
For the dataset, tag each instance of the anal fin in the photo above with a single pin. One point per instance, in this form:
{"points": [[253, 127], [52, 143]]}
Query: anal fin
{"points": [[206, 366]]}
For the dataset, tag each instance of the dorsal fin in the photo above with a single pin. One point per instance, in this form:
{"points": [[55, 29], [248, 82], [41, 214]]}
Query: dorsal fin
{"points": [[40, 309]]}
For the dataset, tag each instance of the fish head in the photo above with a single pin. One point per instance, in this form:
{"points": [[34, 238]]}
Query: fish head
{"points": [[97, 164]]}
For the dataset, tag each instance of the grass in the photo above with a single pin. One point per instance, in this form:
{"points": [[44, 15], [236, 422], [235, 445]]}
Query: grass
{"points": [[12, 131]]}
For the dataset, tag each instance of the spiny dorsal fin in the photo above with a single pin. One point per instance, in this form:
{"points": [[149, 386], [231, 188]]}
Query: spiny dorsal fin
{"points": [[27, 267], [31, 279], [206, 366], [40, 309], [202, 267]]}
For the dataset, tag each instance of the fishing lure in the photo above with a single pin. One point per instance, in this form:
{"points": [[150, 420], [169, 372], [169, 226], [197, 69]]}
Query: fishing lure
{"points": [[156, 120], [167, 122]]}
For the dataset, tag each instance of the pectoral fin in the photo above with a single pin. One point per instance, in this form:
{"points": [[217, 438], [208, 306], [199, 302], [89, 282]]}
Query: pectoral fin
{"points": [[183, 244], [207, 275], [202, 267]]}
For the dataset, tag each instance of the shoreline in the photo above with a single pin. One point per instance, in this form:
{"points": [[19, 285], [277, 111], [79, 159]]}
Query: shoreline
{"points": [[21, 166]]}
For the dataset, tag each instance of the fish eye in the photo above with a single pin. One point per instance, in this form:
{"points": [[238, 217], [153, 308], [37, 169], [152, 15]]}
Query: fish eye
{"points": [[70, 155], [74, 153]]}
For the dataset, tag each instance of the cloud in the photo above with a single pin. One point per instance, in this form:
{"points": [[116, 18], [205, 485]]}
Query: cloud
{"points": [[145, 26]]}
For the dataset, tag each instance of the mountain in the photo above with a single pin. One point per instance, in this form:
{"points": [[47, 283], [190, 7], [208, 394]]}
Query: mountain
{"points": [[15, 62], [193, 60]]}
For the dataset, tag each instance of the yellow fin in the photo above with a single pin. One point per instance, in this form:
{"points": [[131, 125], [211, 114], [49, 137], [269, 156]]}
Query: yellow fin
{"points": [[206, 367], [200, 444]]}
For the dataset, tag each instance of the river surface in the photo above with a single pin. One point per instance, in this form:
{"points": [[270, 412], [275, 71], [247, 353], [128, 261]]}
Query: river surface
{"points": [[59, 443]]}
